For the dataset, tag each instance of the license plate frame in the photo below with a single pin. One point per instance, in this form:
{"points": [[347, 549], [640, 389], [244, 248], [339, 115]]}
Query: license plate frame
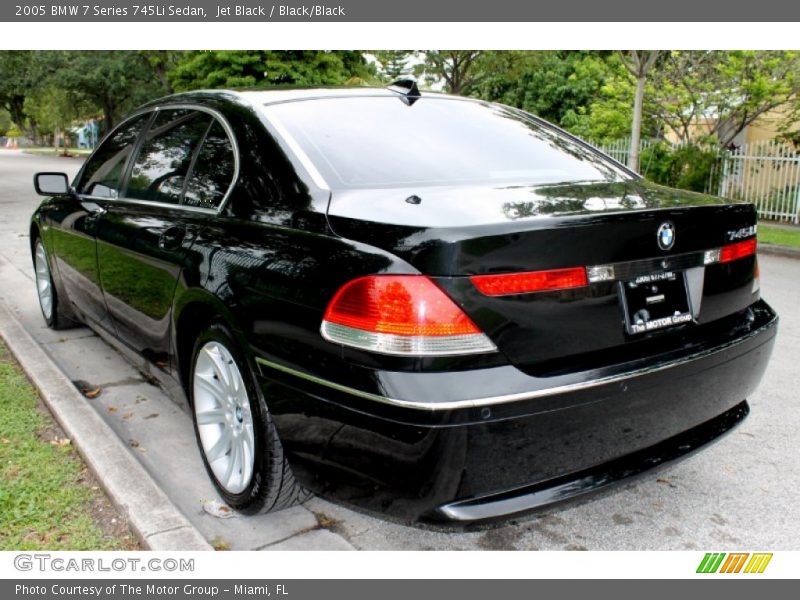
{"points": [[655, 301]]}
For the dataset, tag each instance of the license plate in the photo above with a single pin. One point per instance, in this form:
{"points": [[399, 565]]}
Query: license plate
{"points": [[655, 301]]}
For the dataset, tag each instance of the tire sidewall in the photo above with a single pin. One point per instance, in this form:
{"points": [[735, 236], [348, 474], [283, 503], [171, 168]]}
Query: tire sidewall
{"points": [[253, 497]]}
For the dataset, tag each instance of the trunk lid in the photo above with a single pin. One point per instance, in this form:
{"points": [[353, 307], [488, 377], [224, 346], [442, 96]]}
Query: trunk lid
{"points": [[451, 233]]}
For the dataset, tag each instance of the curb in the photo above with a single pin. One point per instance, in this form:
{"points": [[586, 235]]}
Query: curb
{"points": [[151, 514], [774, 250]]}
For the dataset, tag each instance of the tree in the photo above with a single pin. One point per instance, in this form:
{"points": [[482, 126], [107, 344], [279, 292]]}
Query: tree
{"points": [[393, 63], [113, 82], [639, 63], [160, 63], [717, 94], [459, 70], [17, 80], [562, 87], [54, 110], [265, 68]]}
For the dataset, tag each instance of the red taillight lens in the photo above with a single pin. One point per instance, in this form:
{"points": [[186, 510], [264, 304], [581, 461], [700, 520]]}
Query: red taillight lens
{"points": [[400, 314], [738, 250], [533, 281]]}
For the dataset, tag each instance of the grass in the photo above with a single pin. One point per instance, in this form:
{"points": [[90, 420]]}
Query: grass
{"points": [[780, 236], [52, 151], [48, 499]]}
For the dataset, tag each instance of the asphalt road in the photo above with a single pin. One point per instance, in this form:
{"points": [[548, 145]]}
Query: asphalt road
{"points": [[741, 493]]}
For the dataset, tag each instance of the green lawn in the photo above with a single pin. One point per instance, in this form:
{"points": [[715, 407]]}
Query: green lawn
{"points": [[779, 236], [48, 499]]}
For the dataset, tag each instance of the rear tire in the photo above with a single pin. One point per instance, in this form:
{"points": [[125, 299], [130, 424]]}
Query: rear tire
{"points": [[237, 439], [50, 303]]}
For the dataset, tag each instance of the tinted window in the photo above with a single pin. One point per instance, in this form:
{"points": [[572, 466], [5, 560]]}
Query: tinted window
{"points": [[382, 142], [213, 171], [160, 169], [103, 172]]}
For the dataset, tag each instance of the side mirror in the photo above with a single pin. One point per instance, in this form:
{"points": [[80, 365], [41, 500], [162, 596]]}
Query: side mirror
{"points": [[51, 184]]}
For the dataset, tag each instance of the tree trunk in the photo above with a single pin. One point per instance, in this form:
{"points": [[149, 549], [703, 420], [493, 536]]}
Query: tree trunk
{"points": [[16, 108], [636, 126], [108, 114], [66, 143]]}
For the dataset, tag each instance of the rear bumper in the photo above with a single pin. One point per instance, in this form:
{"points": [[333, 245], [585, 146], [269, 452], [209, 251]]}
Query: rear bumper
{"points": [[569, 486], [484, 444]]}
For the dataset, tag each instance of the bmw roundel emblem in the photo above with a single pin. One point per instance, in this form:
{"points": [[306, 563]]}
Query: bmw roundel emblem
{"points": [[666, 235]]}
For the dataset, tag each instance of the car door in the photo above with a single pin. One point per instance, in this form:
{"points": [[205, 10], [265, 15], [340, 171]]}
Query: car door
{"points": [[143, 240], [76, 217]]}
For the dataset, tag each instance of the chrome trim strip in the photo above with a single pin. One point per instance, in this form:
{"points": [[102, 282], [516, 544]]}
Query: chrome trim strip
{"points": [[123, 200], [508, 398]]}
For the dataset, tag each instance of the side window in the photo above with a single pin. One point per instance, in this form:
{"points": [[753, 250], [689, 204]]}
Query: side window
{"points": [[160, 169], [102, 174], [213, 172]]}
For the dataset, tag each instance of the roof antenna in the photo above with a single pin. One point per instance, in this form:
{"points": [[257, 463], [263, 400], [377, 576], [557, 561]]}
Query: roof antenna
{"points": [[408, 90]]}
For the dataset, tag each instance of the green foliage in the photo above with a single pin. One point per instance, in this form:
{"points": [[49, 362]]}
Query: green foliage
{"points": [[5, 121], [99, 83], [54, 109], [265, 68], [587, 93], [458, 71], [688, 166], [719, 93], [393, 64], [112, 82], [17, 79]]}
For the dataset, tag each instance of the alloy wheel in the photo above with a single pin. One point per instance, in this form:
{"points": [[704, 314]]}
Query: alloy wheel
{"points": [[44, 284], [224, 417]]}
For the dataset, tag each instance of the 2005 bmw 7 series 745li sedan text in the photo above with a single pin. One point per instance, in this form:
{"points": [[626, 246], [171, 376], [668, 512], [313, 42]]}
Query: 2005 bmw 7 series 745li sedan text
{"points": [[430, 307]]}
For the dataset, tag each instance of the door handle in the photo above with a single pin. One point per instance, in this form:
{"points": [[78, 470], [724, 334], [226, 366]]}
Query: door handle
{"points": [[93, 214], [171, 238]]}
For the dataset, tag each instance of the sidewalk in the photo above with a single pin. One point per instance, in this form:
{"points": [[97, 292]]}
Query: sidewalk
{"points": [[138, 442]]}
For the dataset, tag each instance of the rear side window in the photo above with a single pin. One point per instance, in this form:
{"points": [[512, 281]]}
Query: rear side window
{"points": [[360, 142], [102, 174], [160, 170], [213, 170]]}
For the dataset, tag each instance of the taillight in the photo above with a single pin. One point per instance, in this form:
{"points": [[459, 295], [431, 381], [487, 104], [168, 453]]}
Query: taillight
{"points": [[532, 281], [730, 252], [738, 250], [401, 314]]}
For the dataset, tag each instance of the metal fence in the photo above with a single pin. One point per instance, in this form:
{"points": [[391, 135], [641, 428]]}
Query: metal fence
{"points": [[766, 173], [619, 149]]}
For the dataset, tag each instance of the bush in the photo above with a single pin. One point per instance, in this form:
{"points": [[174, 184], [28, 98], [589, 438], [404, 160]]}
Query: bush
{"points": [[688, 166]]}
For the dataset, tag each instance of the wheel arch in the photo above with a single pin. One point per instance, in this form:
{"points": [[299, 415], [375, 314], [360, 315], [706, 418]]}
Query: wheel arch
{"points": [[193, 312]]}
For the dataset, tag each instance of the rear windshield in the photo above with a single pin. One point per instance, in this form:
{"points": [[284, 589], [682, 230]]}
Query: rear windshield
{"points": [[373, 142]]}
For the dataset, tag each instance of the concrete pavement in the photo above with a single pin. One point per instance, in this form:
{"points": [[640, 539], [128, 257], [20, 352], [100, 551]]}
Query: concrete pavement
{"points": [[740, 493]]}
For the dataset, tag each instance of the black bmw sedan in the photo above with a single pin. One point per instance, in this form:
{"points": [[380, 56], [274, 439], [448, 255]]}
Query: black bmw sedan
{"points": [[430, 307]]}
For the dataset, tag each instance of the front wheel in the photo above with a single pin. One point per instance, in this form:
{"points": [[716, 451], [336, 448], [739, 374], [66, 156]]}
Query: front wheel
{"points": [[52, 311], [235, 432]]}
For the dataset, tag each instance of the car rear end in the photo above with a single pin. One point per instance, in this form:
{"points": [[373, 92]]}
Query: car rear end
{"points": [[558, 324]]}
